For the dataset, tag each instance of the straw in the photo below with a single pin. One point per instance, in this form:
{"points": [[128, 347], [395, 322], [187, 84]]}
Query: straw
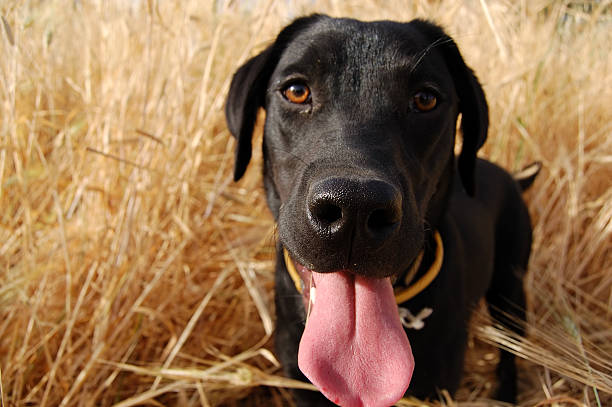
{"points": [[134, 271]]}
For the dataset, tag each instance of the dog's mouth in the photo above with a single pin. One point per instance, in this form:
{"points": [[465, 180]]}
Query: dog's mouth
{"points": [[353, 348]]}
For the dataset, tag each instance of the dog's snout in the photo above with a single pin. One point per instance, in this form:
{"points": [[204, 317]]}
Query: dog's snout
{"points": [[366, 211]]}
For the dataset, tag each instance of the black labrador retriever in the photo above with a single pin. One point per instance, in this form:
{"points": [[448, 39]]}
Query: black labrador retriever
{"points": [[377, 219]]}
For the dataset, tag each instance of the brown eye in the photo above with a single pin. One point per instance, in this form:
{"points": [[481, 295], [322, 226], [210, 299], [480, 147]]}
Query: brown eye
{"points": [[425, 101], [297, 93]]}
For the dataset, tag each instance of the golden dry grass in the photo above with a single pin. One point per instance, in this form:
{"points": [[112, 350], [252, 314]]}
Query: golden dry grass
{"points": [[133, 271]]}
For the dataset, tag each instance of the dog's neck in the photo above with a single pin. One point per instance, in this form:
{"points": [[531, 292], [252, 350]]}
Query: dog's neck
{"points": [[423, 264], [422, 273], [435, 215]]}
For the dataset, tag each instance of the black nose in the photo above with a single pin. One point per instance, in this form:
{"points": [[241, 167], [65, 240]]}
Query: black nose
{"points": [[368, 211]]}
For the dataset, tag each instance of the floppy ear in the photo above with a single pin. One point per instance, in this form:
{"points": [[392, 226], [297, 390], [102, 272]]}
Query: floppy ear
{"points": [[246, 96], [472, 102], [474, 115], [248, 91]]}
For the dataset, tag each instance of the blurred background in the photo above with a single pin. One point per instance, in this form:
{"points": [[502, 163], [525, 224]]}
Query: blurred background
{"points": [[134, 271]]}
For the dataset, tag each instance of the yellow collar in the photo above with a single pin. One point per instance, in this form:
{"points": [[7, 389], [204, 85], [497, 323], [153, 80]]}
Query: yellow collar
{"points": [[403, 295]]}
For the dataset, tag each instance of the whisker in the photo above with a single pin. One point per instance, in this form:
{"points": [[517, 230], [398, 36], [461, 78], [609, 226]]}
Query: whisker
{"points": [[426, 50]]}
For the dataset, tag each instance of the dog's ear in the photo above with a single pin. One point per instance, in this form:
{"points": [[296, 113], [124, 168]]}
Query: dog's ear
{"points": [[474, 115], [245, 97], [248, 91], [472, 101]]}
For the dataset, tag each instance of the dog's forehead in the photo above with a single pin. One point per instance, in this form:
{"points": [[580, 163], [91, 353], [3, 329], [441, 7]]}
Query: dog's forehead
{"points": [[369, 47]]}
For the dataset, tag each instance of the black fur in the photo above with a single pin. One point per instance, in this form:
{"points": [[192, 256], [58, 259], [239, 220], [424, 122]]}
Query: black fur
{"points": [[358, 178]]}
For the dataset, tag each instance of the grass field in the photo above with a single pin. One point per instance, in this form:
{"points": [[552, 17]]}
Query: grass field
{"points": [[133, 271]]}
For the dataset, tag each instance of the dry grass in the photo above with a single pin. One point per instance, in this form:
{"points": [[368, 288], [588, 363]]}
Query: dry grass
{"points": [[134, 272]]}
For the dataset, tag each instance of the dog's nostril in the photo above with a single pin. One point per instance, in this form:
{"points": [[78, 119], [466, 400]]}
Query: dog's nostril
{"points": [[382, 219], [327, 212]]}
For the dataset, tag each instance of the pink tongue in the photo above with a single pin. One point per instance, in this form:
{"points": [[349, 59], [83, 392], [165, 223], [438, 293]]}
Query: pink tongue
{"points": [[353, 347]]}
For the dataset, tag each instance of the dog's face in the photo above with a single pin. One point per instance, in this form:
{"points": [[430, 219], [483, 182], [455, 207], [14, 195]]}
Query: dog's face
{"points": [[374, 113], [360, 128]]}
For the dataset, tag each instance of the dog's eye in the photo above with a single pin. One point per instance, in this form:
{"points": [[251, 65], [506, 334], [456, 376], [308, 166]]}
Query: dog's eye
{"points": [[297, 93], [425, 101]]}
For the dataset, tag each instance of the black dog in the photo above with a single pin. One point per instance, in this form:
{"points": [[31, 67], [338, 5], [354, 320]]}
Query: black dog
{"points": [[361, 176]]}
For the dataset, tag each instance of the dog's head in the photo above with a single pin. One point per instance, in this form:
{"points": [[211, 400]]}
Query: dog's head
{"points": [[358, 162], [359, 136]]}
